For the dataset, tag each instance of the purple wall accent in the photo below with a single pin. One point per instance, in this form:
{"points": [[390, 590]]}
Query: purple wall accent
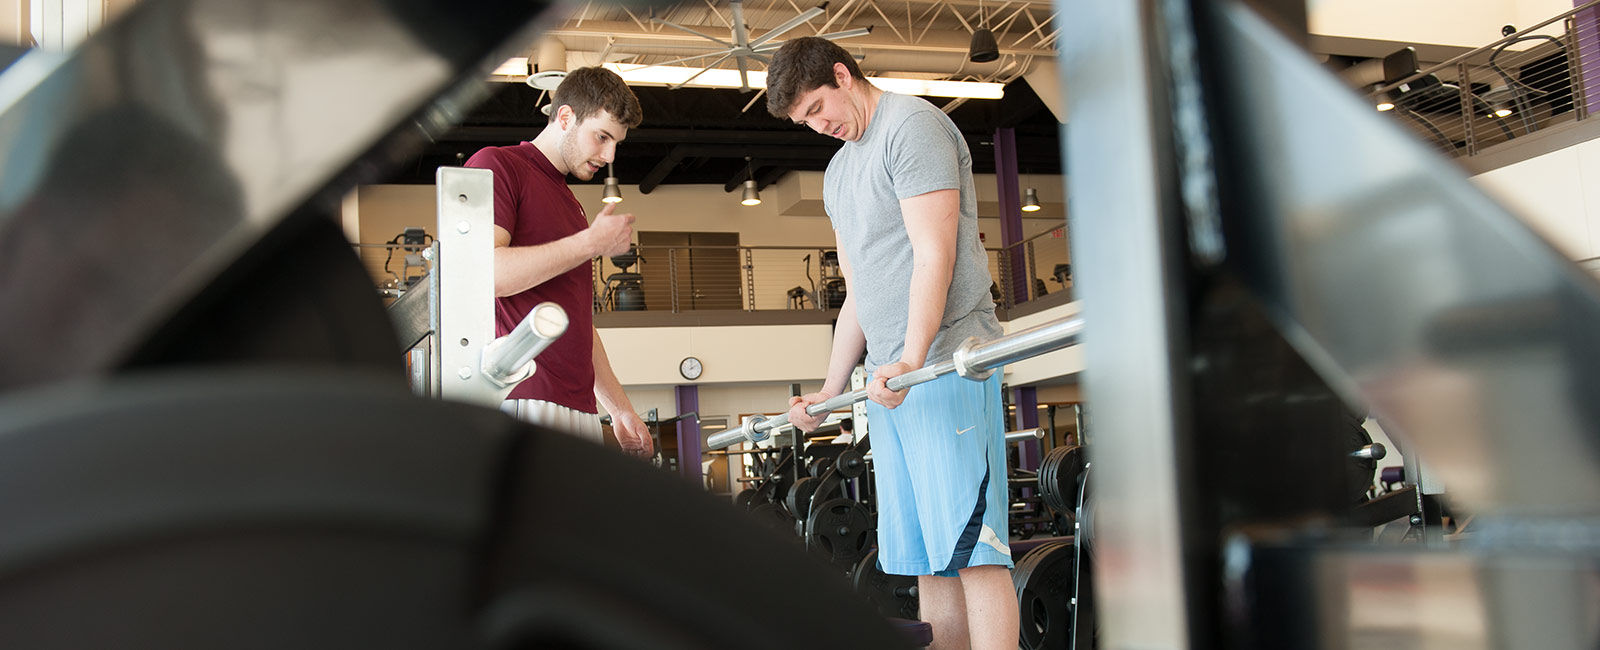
{"points": [[688, 398], [1586, 32], [1026, 400], [1013, 280]]}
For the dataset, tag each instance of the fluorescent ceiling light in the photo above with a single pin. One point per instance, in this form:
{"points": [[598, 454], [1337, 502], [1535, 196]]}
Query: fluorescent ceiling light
{"points": [[664, 75], [938, 88], [516, 66]]}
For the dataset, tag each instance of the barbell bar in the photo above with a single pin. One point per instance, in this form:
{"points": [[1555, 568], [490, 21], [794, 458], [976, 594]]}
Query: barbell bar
{"points": [[509, 359], [974, 360], [1036, 433]]}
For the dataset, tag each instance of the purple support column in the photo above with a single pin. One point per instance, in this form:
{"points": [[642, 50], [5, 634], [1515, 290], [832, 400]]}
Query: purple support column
{"points": [[1026, 400], [1014, 278], [1586, 36], [688, 398]]}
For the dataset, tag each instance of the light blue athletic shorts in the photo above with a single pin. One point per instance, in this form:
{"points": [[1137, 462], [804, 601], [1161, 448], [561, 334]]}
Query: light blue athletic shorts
{"points": [[940, 464]]}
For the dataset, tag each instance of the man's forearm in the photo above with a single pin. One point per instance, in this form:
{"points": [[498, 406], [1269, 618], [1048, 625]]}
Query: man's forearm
{"points": [[930, 286], [520, 268], [848, 343], [607, 389]]}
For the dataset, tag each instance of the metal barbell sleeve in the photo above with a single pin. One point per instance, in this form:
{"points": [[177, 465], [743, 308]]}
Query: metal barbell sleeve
{"points": [[753, 429], [509, 359], [1035, 433], [1374, 451], [972, 360]]}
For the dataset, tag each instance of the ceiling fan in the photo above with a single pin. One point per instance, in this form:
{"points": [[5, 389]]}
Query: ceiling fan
{"points": [[742, 49]]}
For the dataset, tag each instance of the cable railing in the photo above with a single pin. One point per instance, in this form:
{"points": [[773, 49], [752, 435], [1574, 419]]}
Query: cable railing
{"points": [[793, 278], [742, 278], [395, 267], [1543, 76], [1043, 267]]}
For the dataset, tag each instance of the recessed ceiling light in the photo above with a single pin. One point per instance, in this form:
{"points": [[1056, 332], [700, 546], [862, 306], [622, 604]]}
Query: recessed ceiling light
{"points": [[547, 80]]}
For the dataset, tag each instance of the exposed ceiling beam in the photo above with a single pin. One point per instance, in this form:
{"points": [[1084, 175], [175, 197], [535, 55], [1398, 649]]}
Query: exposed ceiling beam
{"points": [[796, 156], [760, 164], [629, 35], [770, 177], [659, 172]]}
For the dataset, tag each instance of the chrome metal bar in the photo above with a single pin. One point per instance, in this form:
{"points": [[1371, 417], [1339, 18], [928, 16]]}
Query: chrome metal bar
{"points": [[1027, 343], [508, 359], [973, 361], [1374, 451], [1035, 433]]}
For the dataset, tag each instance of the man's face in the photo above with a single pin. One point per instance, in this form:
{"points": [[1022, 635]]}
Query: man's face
{"points": [[590, 145], [831, 111]]}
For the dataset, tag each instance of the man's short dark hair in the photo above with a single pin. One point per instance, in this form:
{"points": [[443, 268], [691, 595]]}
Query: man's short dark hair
{"points": [[802, 65], [590, 90]]}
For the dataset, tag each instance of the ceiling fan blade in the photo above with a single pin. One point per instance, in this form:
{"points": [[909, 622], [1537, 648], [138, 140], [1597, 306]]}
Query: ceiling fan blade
{"points": [[832, 36], [791, 24], [700, 34], [689, 58], [849, 33], [740, 37], [701, 72]]}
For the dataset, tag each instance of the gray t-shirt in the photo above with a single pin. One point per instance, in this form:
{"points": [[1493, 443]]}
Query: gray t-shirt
{"points": [[910, 148]]}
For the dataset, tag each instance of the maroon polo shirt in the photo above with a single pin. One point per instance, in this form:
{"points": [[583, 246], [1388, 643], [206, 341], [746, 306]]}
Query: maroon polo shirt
{"points": [[532, 202]]}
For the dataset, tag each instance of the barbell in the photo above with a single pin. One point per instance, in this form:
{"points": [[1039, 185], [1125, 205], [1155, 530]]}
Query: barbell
{"points": [[974, 360]]}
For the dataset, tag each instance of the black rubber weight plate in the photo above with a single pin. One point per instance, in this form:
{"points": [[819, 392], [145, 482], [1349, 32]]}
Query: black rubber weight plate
{"points": [[1044, 596], [841, 529], [891, 593]]}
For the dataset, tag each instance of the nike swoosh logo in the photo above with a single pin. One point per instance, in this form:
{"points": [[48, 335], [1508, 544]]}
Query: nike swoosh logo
{"points": [[966, 430]]}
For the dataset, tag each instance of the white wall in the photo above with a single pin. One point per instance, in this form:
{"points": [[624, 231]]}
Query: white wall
{"points": [[1463, 23], [730, 354], [1557, 194]]}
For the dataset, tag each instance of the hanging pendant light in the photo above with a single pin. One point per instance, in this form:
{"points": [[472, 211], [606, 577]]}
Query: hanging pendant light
{"points": [[983, 48], [751, 196], [1030, 200], [613, 191]]}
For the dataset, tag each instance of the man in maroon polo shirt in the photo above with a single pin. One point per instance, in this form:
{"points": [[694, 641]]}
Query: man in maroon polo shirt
{"points": [[543, 244]]}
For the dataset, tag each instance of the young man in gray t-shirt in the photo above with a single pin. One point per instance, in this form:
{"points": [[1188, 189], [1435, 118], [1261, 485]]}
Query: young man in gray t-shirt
{"points": [[900, 196]]}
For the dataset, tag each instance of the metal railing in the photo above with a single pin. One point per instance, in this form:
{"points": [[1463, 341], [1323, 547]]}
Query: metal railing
{"points": [[759, 278], [394, 267], [1045, 268], [744, 278], [1536, 78]]}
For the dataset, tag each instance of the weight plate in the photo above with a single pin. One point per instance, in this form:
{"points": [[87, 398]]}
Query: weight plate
{"points": [[799, 499], [743, 498], [841, 529], [819, 466], [1084, 519], [895, 596], [771, 515], [762, 495], [1059, 472], [851, 463], [1045, 580], [783, 478]]}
